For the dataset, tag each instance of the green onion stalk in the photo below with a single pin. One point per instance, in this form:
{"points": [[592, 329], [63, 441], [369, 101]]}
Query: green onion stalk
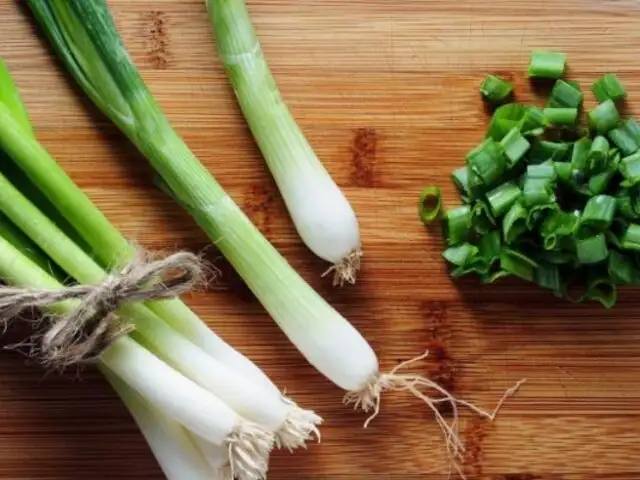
{"points": [[84, 36], [203, 356], [228, 415], [321, 213]]}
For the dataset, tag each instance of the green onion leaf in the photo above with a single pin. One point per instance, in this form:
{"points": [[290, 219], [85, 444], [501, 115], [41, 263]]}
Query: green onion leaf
{"points": [[490, 246], [630, 169], [514, 224], [533, 122], [457, 224], [556, 226], [631, 238], [548, 276], [624, 139], [504, 119], [430, 204], [518, 264], [621, 269], [461, 180], [561, 115], [592, 249], [547, 64], [608, 87], [487, 162], [597, 216], [566, 95], [496, 90], [604, 117], [544, 150], [502, 198], [515, 145], [597, 157], [580, 154]]}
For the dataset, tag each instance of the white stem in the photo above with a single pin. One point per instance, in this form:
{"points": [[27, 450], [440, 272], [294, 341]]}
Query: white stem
{"points": [[170, 443], [194, 407], [216, 456]]}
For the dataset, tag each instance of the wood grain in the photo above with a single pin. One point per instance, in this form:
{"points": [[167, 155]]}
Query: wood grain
{"points": [[387, 93]]}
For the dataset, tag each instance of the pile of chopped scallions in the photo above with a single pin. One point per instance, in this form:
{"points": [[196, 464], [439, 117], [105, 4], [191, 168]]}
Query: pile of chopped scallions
{"points": [[545, 197], [86, 39], [205, 409]]}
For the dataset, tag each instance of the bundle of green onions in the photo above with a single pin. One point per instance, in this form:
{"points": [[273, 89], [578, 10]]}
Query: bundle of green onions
{"points": [[321, 213], [84, 36], [205, 409], [546, 199]]}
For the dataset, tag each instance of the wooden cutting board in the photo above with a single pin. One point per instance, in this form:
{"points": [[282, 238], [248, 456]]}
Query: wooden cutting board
{"points": [[386, 91]]}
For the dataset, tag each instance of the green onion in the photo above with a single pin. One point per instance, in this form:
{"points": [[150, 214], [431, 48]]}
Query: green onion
{"points": [[608, 87], [488, 162], [604, 117], [518, 264], [506, 117], [460, 178], [557, 226], [592, 250], [631, 238], [597, 215], [621, 270], [565, 95], [514, 224], [543, 150], [489, 248], [561, 115], [625, 140], [548, 276], [457, 224], [537, 191], [502, 198], [547, 64], [430, 204], [496, 90], [597, 157], [515, 145], [320, 211], [630, 169], [325, 338]]}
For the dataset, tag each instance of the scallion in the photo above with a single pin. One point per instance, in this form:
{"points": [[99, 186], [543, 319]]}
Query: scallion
{"points": [[546, 64], [495, 89]]}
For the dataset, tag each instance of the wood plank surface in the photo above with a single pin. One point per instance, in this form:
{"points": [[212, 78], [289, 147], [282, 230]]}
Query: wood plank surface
{"points": [[386, 91]]}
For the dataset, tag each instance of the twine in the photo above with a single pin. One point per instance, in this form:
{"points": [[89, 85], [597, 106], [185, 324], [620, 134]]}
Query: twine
{"points": [[81, 335]]}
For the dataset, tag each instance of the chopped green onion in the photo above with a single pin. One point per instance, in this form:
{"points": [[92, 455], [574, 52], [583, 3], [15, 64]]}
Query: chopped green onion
{"points": [[514, 224], [600, 182], [547, 64], [457, 224], [545, 150], [556, 226], [561, 115], [537, 191], [608, 87], [515, 145], [580, 154], [533, 122], [495, 89], [502, 198], [630, 169], [631, 238], [604, 117], [461, 180], [592, 250], [624, 140], [490, 246], [597, 157], [430, 204], [548, 276], [461, 255], [566, 95], [504, 119], [488, 162], [597, 215], [621, 270], [518, 264]]}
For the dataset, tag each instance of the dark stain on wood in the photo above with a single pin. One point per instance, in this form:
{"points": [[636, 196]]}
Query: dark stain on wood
{"points": [[157, 40], [363, 148], [520, 476], [474, 438], [258, 204], [445, 368]]}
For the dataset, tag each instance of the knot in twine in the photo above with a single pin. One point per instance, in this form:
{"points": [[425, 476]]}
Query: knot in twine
{"points": [[81, 335]]}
